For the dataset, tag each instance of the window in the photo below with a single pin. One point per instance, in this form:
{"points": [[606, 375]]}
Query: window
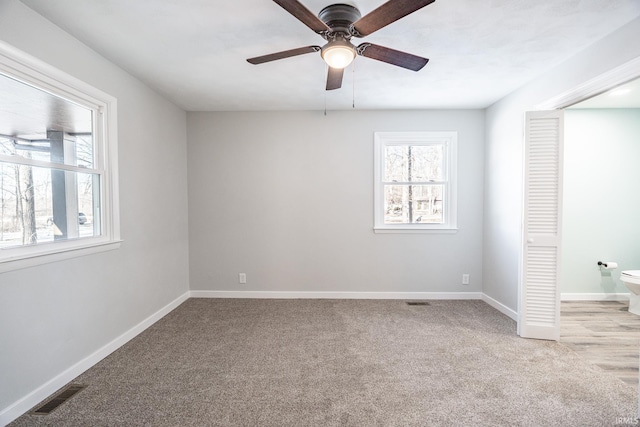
{"points": [[415, 181], [58, 173]]}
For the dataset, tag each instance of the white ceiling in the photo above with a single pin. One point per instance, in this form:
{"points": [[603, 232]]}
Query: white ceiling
{"points": [[194, 51]]}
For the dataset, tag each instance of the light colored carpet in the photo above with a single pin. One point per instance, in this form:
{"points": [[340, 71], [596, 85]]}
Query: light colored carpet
{"points": [[341, 362]]}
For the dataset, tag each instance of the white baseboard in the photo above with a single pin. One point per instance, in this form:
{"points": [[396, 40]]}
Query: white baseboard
{"points": [[335, 295], [599, 296], [500, 307], [18, 408]]}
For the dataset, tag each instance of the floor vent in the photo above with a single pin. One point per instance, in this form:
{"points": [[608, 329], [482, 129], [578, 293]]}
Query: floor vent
{"points": [[418, 303], [57, 400]]}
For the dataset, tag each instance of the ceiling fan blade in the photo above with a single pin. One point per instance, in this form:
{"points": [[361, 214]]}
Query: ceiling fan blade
{"points": [[392, 56], [303, 14], [284, 54], [334, 78], [384, 15]]}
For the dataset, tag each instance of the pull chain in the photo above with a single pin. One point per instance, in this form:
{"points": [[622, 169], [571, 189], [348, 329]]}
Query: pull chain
{"points": [[326, 70], [353, 85], [325, 102]]}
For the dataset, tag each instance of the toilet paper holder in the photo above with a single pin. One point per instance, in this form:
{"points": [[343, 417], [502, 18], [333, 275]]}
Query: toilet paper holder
{"points": [[609, 265]]}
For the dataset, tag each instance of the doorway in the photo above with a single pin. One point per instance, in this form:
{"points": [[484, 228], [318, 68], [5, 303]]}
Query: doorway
{"points": [[601, 205], [531, 298], [601, 201]]}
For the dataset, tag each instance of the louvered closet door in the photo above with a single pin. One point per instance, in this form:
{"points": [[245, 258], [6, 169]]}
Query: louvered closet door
{"points": [[540, 287]]}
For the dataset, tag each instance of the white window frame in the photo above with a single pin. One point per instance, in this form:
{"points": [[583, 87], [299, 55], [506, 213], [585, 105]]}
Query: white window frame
{"points": [[30, 70], [449, 140]]}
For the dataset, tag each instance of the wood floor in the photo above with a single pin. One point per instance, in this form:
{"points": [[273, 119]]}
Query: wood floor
{"points": [[605, 333]]}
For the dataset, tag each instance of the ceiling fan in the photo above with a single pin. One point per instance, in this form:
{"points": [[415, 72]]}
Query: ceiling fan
{"points": [[337, 24]]}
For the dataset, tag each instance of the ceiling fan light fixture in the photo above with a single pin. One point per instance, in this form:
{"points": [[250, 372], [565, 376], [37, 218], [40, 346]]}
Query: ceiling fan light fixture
{"points": [[338, 53]]}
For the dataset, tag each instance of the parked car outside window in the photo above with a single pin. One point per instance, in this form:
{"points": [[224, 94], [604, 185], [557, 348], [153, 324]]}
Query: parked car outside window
{"points": [[82, 219]]}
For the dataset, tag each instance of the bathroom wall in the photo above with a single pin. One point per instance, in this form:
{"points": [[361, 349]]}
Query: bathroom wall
{"points": [[601, 198]]}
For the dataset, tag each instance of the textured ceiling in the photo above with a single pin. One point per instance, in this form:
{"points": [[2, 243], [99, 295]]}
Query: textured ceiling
{"points": [[194, 51]]}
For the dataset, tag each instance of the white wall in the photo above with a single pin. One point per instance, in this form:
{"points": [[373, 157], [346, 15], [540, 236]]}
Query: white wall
{"points": [[601, 198], [503, 155], [287, 197], [54, 315]]}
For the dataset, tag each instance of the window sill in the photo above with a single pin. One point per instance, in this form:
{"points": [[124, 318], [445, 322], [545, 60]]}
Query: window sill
{"points": [[45, 256], [389, 230]]}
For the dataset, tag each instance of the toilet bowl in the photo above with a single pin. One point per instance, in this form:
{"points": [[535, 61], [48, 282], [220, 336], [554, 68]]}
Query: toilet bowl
{"points": [[631, 279]]}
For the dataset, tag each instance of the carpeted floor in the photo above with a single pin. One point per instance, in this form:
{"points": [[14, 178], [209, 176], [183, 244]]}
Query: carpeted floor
{"points": [[341, 362]]}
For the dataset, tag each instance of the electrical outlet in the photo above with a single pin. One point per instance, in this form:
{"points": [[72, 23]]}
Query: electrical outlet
{"points": [[465, 279], [242, 278]]}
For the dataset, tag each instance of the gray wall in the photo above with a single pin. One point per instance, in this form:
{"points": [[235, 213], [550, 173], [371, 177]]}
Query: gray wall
{"points": [[601, 199], [54, 315], [503, 155], [287, 197]]}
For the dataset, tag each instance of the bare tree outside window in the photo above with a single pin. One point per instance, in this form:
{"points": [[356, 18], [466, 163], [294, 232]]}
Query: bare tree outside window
{"points": [[18, 199], [406, 202], [415, 181]]}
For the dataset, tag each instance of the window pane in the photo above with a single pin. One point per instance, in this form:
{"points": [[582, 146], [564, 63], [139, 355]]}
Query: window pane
{"points": [[42, 205], [395, 163], [407, 163], [83, 150], [413, 204], [28, 114], [426, 163], [26, 205], [89, 204]]}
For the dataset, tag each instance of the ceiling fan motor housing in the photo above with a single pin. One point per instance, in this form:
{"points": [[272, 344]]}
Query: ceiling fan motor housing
{"points": [[339, 18]]}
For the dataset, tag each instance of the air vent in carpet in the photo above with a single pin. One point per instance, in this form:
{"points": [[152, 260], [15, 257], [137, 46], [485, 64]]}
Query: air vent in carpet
{"points": [[418, 303], [57, 400]]}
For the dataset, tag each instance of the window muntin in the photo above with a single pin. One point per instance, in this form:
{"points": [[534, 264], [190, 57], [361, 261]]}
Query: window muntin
{"points": [[58, 164], [415, 181]]}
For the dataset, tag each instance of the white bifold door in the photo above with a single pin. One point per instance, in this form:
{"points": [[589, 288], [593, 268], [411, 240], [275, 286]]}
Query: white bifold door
{"points": [[539, 303]]}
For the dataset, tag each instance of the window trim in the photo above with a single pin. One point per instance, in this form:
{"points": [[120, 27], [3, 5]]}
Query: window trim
{"points": [[28, 69], [450, 141]]}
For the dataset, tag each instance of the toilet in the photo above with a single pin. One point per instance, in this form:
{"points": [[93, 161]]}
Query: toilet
{"points": [[631, 279]]}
